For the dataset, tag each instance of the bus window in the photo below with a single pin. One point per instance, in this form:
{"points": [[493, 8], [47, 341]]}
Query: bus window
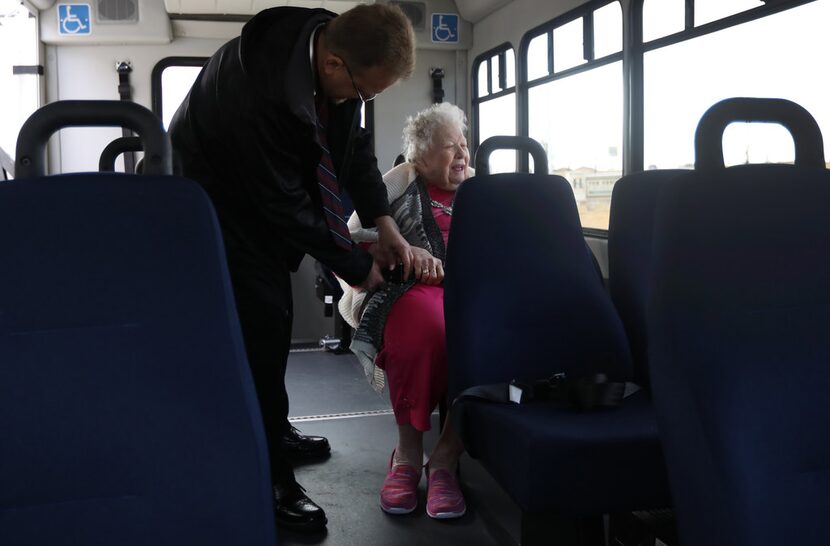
{"points": [[498, 117], [494, 102], [19, 71], [608, 27], [577, 115], [483, 81], [537, 57], [567, 50], [175, 83], [683, 79], [663, 17]]}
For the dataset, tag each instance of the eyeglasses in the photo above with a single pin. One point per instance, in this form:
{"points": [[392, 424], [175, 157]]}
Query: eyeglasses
{"points": [[361, 96]]}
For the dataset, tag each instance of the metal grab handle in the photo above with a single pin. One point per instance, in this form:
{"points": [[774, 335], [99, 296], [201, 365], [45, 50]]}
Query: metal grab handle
{"points": [[114, 149], [809, 146], [35, 133], [522, 144]]}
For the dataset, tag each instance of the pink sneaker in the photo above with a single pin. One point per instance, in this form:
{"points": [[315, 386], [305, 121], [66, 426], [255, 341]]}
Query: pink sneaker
{"points": [[399, 494], [444, 498]]}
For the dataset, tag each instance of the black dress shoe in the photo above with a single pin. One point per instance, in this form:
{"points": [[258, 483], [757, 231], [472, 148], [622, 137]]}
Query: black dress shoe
{"points": [[300, 446], [295, 511]]}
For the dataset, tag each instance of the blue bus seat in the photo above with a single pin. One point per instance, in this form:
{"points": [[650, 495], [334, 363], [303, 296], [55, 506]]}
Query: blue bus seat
{"points": [[737, 325], [630, 236], [127, 409], [523, 301]]}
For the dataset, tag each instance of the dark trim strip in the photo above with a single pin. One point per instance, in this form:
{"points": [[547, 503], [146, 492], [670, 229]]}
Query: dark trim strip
{"points": [[221, 18], [595, 233], [549, 35], [502, 70], [610, 59], [35, 69], [494, 96], [689, 22], [588, 36], [633, 94]]}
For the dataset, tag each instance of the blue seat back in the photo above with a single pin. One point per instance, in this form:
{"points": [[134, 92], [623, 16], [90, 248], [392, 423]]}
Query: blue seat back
{"points": [[127, 410], [522, 296], [739, 349], [630, 235]]}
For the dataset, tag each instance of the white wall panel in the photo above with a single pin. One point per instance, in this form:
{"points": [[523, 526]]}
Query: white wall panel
{"points": [[475, 10], [152, 27], [405, 99], [88, 72]]}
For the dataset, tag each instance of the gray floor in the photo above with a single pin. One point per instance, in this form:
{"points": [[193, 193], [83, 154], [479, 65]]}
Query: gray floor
{"points": [[346, 485]]}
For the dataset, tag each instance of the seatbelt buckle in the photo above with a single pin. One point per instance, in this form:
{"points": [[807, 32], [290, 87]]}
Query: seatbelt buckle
{"points": [[550, 388], [519, 392]]}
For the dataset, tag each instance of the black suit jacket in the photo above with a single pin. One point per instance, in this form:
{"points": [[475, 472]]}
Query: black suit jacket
{"points": [[246, 132]]}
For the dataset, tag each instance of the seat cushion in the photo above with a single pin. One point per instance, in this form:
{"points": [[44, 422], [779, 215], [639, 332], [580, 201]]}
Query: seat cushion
{"points": [[590, 462]]}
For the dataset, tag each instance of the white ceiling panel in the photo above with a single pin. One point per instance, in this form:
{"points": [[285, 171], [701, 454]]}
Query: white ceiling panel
{"points": [[476, 10]]}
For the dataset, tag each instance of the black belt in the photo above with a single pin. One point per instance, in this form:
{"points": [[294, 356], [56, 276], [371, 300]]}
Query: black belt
{"points": [[582, 393]]}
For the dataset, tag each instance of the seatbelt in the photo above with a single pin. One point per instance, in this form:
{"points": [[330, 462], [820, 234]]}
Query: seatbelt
{"points": [[437, 75], [125, 93], [582, 393]]}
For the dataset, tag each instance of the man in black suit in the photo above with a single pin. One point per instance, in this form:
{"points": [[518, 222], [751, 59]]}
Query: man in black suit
{"points": [[271, 130]]}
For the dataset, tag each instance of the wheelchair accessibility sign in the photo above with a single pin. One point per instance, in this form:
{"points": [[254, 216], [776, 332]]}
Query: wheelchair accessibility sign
{"points": [[445, 28], [73, 19]]}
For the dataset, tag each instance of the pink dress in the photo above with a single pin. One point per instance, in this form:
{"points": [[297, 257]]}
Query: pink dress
{"points": [[414, 353]]}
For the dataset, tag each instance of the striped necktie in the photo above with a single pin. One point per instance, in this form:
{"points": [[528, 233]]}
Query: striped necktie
{"points": [[329, 187]]}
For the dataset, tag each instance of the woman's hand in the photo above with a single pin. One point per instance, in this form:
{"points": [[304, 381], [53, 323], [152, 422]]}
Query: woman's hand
{"points": [[392, 248], [427, 268]]}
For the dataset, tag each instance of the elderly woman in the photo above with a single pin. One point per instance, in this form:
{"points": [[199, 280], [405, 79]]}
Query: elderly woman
{"points": [[399, 329]]}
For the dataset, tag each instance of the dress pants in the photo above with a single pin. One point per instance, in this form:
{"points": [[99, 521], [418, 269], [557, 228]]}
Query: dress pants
{"points": [[265, 311]]}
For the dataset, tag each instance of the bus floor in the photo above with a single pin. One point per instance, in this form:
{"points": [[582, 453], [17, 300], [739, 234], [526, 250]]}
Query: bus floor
{"points": [[330, 396]]}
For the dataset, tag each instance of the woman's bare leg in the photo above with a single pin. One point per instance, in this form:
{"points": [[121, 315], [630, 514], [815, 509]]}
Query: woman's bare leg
{"points": [[410, 448], [448, 450]]}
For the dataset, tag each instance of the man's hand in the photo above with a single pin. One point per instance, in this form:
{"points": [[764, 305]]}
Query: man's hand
{"points": [[373, 279], [392, 248]]}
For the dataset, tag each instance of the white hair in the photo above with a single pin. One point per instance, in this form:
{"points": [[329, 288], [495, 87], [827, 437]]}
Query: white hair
{"points": [[420, 129]]}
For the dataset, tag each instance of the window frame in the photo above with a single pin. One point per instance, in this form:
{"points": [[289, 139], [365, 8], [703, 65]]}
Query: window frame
{"points": [[635, 162], [632, 56], [586, 13], [476, 101]]}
